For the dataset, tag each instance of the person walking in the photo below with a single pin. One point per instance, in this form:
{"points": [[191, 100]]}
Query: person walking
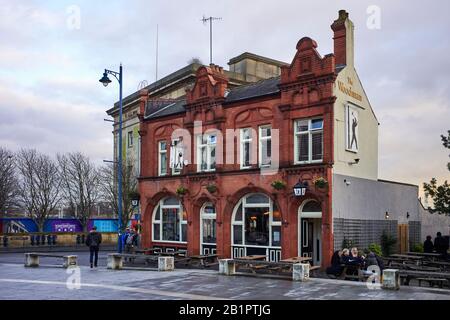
{"points": [[440, 244], [93, 241]]}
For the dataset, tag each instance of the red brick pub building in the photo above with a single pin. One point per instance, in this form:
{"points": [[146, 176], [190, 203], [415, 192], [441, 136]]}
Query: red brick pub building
{"points": [[221, 201]]}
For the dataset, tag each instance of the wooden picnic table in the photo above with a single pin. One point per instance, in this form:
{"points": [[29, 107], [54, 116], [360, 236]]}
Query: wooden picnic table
{"points": [[426, 255], [297, 259], [439, 264], [415, 274], [145, 250], [172, 253], [405, 256], [203, 260], [253, 257]]}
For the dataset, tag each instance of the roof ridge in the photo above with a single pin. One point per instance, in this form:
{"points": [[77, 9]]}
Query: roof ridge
{"points": [[255, 83]]}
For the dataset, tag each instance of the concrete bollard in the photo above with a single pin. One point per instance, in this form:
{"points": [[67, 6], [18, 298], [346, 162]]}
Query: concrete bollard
{"points": [[115, 262], [31, 260], [70, 261], [300, 272], [391, 279], [166, 264], [227, 267]]}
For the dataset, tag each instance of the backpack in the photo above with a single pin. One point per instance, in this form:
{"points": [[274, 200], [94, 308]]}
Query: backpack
{"points": [[94, 240], [129, 240]]}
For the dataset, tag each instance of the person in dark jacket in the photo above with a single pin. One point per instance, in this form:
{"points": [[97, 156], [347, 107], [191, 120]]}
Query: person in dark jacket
{"points": [[373, 260], [336, 264], [428, 245], [441, 244], [93, 241]]}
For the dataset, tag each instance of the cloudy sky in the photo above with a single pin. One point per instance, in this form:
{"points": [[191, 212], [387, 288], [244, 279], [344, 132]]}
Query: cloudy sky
{"points": [[50, 98]]}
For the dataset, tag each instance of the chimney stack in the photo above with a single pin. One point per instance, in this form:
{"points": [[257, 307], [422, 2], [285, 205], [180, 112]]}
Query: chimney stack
{"points": [[343, 39]]}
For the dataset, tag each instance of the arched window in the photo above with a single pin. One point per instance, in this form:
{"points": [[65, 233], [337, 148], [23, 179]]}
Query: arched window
{"points": [[256, 222], [311, 209], [169, 221]]}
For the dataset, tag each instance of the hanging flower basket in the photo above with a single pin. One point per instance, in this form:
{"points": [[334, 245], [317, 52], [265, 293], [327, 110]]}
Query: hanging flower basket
{"points": [[181, 191], [212, 188], [320, 183], [278, 185], [134, 195]]}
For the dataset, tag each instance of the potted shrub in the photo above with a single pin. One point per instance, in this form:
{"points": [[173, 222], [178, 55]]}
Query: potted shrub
{"points": [[376, 248], [212, 188], [181, 191], [388, 243], [320, 183], [278, 185]]}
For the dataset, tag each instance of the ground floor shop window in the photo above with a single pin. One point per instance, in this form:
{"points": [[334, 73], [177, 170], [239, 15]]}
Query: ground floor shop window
{"points": [[169, 221], [256, 224]]}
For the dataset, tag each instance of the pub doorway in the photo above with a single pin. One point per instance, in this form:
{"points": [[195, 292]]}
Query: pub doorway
{"points": [[310, 231]]}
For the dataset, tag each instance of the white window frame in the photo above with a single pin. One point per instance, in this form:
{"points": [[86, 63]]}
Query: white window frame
{"points": [[242, 142], [209, 146], [130, 139], [309, 132], [160, 207], [262, 139], [175, 172], [207, 216], [160, 152], [245, 205]]}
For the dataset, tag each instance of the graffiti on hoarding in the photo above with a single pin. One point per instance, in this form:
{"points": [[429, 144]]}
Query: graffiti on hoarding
{"points": [[18, 226], [27, 225]]}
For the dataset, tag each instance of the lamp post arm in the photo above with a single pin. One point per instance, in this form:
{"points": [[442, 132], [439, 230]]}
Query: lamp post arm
{"points": [[117, 75]]}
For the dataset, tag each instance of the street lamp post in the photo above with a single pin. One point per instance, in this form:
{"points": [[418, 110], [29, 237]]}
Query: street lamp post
{"points": [[105, 81]]}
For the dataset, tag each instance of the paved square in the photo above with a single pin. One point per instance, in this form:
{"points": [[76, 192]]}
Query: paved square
{"points": [[50, 282]]}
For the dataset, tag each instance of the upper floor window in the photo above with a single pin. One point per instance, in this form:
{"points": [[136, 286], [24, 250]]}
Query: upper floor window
{"points": [[162, 161], [246, 148], [176, 157], [308, 141], [265, 146], [206, 152], [130, 139]]}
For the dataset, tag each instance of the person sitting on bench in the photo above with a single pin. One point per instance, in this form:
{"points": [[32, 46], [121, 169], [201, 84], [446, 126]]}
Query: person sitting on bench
{"points": [[336, 264]]}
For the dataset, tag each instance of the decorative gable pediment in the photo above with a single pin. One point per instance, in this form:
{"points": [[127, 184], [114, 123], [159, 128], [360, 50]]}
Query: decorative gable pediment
{"points": [[211, 83], [307, 63]]}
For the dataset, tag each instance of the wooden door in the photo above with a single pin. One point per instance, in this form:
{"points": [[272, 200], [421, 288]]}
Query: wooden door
{"points": [[403, 238]]}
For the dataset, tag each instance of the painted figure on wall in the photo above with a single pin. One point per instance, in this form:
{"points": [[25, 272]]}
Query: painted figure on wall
{"points": [[352, 128]]}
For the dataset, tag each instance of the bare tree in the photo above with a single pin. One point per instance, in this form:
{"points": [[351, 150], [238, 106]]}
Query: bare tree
{"points": [[39, 185], [108, 176], [8, 180], [80, 184]]}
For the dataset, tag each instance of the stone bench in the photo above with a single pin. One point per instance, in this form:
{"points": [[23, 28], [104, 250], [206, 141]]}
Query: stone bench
{"points": [[32, 259], [115, 261], [300, 272]]}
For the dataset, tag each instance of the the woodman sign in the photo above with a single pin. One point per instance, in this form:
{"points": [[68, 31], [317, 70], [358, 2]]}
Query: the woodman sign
{"points": [[348, 90]]}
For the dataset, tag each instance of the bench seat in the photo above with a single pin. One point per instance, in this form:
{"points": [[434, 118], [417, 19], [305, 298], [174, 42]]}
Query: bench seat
{"points": [[32, 259], [432, 281]]}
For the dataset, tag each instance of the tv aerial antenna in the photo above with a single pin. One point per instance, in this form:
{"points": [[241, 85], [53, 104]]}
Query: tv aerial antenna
{"points": [[205, 21], [142, 84]]}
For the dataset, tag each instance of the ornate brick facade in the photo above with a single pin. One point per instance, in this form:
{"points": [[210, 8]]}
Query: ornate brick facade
{"points": [[305, 90]]}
